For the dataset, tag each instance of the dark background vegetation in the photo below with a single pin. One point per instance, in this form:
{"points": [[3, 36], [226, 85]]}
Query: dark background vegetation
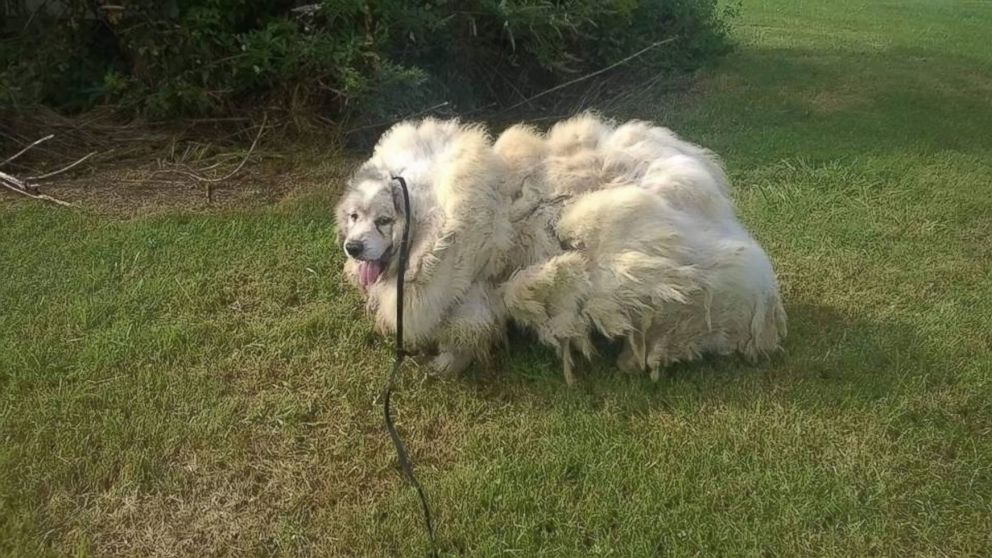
{"points": [[337, 60]]}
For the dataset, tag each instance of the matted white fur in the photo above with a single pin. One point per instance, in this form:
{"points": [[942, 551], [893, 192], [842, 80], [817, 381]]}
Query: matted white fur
{"points": [[625, 231]]}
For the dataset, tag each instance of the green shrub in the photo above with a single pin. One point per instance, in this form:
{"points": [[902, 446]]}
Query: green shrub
{"points": [[343, 57]]}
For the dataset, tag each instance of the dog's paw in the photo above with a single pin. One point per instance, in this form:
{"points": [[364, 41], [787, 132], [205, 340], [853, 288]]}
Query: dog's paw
{"points": [[449, 364]]}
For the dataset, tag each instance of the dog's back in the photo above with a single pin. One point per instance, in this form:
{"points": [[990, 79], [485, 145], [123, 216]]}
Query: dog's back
{"points": [[663, 262]]}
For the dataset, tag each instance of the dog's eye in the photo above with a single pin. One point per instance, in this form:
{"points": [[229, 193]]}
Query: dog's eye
{"points": [[383, 221], [354, 216]]}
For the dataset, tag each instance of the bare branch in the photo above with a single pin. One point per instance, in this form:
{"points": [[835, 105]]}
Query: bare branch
{"points": [[200, 178], [587, 76], [63, 169], [26, 149], [14, 184]]}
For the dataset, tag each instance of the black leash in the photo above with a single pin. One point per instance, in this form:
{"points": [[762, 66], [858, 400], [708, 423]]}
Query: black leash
{"points": [[404, 459]]}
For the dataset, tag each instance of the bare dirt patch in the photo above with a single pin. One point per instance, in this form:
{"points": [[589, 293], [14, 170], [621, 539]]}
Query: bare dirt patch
{"points": [[129, 170], [135, 188]]}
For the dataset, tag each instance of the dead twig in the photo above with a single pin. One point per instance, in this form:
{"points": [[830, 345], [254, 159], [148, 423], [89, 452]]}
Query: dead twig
{"points": [[25, 186], [26, 149], [587, 76], [200, 178], [63, 169], [208, 182], [19, 186]]}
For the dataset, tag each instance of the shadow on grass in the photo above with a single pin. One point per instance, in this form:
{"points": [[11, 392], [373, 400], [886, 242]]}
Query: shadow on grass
{"points": [[831, 358]]}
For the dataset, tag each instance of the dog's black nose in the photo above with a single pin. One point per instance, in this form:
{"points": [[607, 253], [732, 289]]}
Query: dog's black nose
{"points": [[354, 248]]}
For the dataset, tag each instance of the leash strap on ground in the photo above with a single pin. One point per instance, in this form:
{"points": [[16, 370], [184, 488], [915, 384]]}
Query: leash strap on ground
{"points": [[387, 392]]}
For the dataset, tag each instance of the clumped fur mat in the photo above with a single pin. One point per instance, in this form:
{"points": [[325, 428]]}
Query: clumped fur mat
{"points": [[204, 384]]}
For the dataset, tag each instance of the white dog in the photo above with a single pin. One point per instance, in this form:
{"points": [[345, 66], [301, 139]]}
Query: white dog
{"points": [[591, 228]]}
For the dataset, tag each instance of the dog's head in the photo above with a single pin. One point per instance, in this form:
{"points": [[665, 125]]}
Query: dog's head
{"points": [[370, 215], [370, 222]]}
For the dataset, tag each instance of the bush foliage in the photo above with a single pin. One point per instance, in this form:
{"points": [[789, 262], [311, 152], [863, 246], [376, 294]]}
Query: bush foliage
{"points": [[166, 58]]}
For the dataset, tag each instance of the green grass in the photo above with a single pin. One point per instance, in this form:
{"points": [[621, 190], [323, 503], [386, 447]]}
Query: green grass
{"points": [[193, 384]]}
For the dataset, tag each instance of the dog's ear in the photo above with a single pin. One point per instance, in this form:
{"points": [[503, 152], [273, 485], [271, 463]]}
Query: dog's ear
{"points": [[340, 224], [397, 191]]}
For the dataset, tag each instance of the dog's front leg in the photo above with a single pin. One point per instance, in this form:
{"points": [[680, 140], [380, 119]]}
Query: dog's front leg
{"points": [[450, 362], [472, 327]]}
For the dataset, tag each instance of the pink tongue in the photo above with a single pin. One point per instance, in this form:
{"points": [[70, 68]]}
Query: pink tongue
{"points": [[368, 273]]}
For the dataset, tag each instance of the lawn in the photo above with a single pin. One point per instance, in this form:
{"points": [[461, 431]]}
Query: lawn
{"points": [[190, 383]]}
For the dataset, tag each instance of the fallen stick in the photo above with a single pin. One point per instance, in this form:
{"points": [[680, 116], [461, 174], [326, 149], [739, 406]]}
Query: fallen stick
{"points": [[25, 187], [26, 149], [61, 170], [209, 182], [15, 184], [200, 178]]}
